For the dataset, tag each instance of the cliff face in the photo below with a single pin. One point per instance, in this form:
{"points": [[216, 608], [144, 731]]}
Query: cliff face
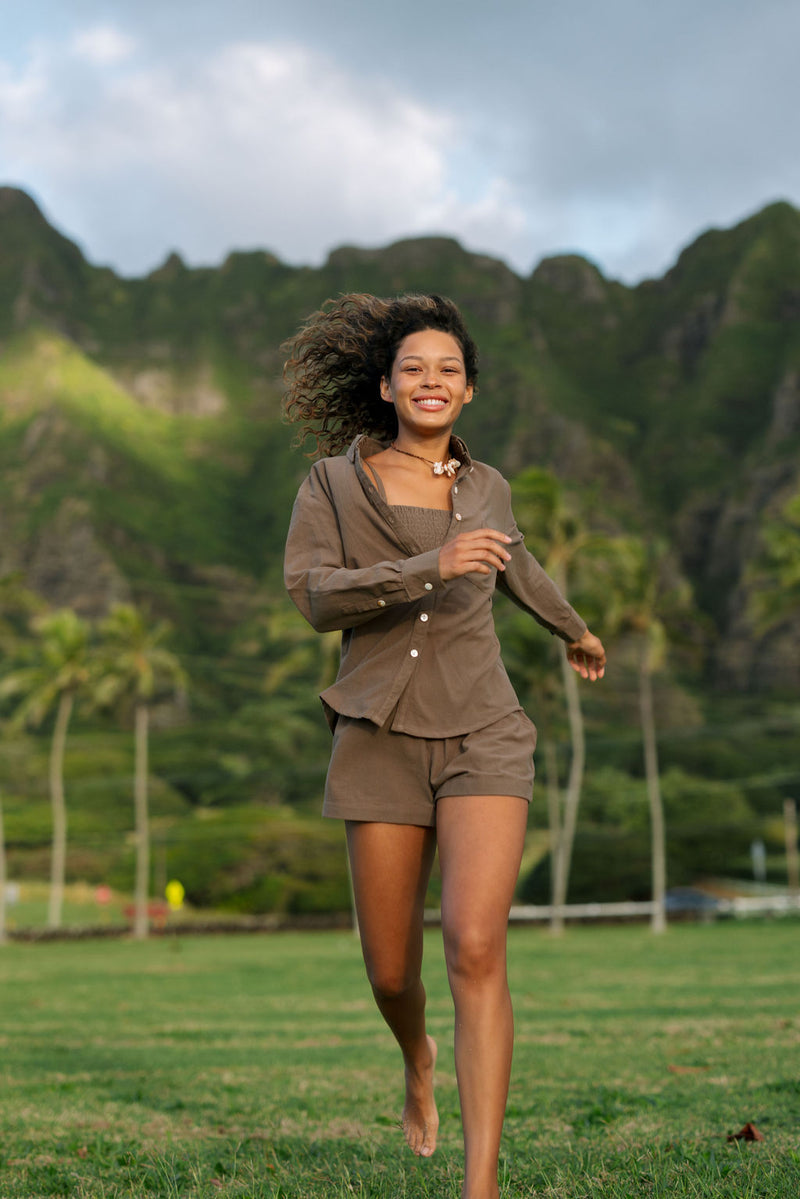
{"points": [[148, 443]]}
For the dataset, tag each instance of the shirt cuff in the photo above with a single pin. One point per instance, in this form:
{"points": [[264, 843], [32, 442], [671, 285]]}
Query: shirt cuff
{"points": [[421, 575], [574, 628]]}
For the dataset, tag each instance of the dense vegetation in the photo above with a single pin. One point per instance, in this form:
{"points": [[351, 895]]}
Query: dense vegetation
{"points": [[143, 460]]}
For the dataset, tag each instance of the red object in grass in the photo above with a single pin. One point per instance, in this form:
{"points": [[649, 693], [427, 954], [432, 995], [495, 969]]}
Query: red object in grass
{"points": [[748, 1133]]}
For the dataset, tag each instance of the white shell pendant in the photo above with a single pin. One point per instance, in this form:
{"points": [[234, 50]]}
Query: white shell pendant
{"points": [[448, 468]]}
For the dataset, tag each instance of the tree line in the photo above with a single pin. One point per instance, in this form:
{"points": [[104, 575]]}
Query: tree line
{"points": [[628, 586], [122, 664]]}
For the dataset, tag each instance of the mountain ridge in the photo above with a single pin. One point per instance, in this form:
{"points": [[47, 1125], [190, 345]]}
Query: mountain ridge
{"points": [[677, 401]]}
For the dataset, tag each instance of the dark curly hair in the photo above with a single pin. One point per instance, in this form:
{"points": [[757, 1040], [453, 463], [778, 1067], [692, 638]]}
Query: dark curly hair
{"points": [[342, 352]]}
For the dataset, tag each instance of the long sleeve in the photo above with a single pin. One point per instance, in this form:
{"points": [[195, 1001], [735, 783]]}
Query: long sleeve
{"points": [[526, 583], [415, 649], [329, 590]]}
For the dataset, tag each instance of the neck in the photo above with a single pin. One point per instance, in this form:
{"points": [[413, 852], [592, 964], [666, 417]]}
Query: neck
{"points": [[435, 448]]}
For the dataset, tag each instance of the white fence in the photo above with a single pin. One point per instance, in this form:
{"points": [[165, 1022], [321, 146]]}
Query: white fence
{"points": [[710, 908]]}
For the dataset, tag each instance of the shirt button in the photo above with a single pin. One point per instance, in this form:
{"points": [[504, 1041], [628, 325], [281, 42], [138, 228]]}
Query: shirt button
{"points": [[415, 653], [455, 491], [458, 516], [429, 586], [381, 603], [424, 616]]}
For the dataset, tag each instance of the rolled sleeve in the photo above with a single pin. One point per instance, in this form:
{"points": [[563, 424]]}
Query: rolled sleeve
{"points": [[421, 575]]}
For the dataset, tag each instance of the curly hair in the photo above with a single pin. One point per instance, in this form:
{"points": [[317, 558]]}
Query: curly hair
{"points": [[342, 352]]}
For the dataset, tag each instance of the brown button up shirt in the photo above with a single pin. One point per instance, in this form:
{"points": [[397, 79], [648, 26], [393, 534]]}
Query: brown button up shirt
{"points": [[414, 648]]}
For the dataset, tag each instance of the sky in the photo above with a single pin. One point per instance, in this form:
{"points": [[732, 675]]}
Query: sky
{"points": [[618, 129]]}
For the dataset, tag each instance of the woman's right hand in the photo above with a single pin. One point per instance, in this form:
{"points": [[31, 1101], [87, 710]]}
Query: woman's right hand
{"points": [[478, 552]]}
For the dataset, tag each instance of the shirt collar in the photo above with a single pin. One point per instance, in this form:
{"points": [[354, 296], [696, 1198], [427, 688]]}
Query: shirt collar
{"points": [[365, 445]]}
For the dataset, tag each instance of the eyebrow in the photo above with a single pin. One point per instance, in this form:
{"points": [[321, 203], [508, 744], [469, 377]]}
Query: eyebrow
{"points": [[419, 358]]}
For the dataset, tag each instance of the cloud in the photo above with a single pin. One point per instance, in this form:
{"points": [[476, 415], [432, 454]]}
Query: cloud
{"points": [[255, 144], [103, 45], [618, 130]]}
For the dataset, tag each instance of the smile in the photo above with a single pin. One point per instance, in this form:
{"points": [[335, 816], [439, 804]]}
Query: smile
{"points": [[432, 403]]}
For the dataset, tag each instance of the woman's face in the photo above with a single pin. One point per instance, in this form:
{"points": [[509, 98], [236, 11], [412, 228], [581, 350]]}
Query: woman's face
{"points": [[428, 384]]}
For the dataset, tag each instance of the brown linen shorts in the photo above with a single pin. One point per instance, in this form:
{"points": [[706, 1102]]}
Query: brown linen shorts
{"points": [[377, 774]]}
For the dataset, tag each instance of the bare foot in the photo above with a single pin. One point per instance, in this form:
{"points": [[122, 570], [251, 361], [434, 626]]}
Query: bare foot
{"points": [[420, 1117]]}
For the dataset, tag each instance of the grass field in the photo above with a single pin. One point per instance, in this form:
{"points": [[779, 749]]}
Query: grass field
{"points": [[258, 1067]]}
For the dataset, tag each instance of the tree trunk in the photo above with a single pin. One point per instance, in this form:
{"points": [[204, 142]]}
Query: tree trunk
{"points": [[658, 921], [3, 875], [556, 839], [572, 796], [790, 835], [58, 859], [141, 924]]}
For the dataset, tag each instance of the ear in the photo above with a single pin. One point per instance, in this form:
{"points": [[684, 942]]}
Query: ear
{"points": [[386, 391], [469, 393]]}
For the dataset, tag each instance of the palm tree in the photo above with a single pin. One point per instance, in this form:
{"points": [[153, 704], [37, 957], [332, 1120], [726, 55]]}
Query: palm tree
{"points": [[776, 572], [643, 595], [17, 604], [3, 875], [558, 536], [59, 672], [137, 670]]}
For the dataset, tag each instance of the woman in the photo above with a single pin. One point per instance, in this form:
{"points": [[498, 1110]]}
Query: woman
{"points": [[400, 543]]}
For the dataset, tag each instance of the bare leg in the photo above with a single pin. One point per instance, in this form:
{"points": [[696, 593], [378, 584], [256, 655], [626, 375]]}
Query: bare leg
{"points": [[391, 865], [480, 848]]}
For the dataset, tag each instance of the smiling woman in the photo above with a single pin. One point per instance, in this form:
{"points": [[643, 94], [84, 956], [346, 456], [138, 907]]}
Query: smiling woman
{"points": [[341, 367], [400, 543]]}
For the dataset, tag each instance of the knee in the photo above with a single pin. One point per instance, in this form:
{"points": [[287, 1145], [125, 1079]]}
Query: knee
{"points": [[474, 953], [389, 982]]}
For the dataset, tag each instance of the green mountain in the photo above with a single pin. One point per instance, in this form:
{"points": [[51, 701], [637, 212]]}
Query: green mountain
{"points": [[142, 452], [143, 457]]}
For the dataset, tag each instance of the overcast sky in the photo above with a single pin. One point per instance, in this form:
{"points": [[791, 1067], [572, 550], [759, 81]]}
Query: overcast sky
{"points": [[617, 128]]}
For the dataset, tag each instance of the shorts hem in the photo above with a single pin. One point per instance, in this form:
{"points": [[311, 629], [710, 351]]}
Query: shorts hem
{"points": [[477, 784], [368, 816]]}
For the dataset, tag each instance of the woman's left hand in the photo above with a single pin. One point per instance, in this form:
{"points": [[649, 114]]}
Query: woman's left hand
{"points": [[587, 656]]}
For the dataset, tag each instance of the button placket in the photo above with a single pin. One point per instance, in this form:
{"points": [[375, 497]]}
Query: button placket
{"points": [[418, 634]]}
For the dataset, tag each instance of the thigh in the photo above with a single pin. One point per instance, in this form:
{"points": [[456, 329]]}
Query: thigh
{"points": [[481, 839], [390, 866]]}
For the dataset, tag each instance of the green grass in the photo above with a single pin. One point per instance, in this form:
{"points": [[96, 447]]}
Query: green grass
{"points": [[257, 1067]]}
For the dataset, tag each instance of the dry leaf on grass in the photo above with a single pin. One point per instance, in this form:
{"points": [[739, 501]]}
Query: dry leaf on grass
{"points": [[687, 1069], [748, 1133]]}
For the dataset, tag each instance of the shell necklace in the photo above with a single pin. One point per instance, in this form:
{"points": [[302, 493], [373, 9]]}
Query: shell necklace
{"points": [[448, 468]]}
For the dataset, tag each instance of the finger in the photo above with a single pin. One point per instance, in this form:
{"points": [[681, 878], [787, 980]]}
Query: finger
{"points": [[488, 550], [486, 537], [467, 556], [495, 534]]}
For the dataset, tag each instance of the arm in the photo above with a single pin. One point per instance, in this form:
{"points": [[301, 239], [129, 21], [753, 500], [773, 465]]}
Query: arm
{"points": [[331, 595], [526, 583]]}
